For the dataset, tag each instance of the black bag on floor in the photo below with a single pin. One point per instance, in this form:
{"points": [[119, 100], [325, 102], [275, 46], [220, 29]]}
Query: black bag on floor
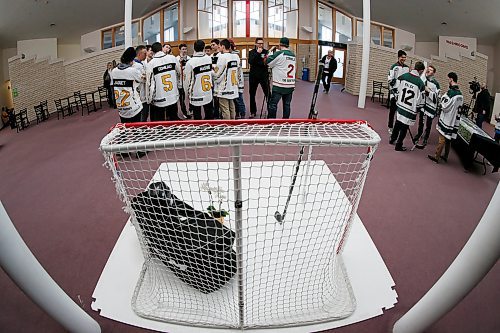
{"points": [[195, 246]]}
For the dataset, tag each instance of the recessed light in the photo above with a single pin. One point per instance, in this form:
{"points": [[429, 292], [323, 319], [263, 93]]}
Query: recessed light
{"points": [[444, 23], [52, 25]]}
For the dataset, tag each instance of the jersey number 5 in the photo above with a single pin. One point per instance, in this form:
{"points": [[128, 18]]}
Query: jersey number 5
{"points": [[206, 85], [167, 84]]}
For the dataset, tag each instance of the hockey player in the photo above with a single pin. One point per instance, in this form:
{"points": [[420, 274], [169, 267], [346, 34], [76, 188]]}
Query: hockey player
{"points": [[162, 79], [139, 63], [198, 82], [449, 119], [215, 46], [396, 70], [167, 48], [226, 80], [183, 58], [239, 104], [428, 106], [283, 66], [126, 81], [410, 87]]}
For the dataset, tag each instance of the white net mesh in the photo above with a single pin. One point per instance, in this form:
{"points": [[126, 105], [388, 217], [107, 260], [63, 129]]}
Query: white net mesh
{"points": [[261, 266]]}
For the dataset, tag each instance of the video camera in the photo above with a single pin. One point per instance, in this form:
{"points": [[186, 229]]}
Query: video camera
{"points": [[474, 86]]}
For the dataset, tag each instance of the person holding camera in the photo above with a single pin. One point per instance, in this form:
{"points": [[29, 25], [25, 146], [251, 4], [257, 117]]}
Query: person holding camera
{"points": [[449, 119], [410, 88], [283, 66], [258, 73], [396, 70], [482, 105], [428, 109]]}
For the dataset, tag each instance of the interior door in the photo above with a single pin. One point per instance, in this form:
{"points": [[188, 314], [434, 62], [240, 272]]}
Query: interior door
{"points": [[339, 75]]}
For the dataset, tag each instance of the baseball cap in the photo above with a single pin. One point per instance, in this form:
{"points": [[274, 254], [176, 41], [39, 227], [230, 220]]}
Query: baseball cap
{"points": [[284, 41]]}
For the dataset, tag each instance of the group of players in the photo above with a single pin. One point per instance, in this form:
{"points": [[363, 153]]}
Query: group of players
{"points": [[150, 82], [415, 91]]}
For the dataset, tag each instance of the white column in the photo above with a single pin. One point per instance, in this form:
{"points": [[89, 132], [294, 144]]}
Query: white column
{"points": [[22, 267], [128, 23], [477, 257], [365, 60]]}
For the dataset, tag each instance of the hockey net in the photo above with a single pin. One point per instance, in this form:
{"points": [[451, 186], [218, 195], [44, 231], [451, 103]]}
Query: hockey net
{"points": [[203, 202]]}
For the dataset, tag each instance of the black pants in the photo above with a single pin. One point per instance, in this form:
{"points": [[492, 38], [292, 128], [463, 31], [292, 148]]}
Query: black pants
{"points": [[162, 113], [399, 133], [145, 112], [182, 98], [326, 78], [207, 108], [255, 80], [111, 96], [392, 113], [428, 126]]}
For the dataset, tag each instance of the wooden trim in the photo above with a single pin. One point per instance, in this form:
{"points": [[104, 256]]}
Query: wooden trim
{"points": [[334, 24], [162, 24]]}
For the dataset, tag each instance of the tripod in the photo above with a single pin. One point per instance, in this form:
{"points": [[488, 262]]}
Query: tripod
{"points": [[266, 96]]}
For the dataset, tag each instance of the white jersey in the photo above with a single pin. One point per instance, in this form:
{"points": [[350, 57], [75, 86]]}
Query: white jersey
{"points": [[429, 101], [226, 76], [198, 79], [410, 88], [283, 67], [162, 79], [126, 80], [182, 61], [241, 81], [141, 67], [395, 72]]}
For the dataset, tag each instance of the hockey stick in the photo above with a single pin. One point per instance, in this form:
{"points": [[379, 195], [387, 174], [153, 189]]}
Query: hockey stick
{"points": [[313, 114]]}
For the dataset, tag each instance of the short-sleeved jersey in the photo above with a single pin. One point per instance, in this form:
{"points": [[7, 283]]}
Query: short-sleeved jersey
{"points": [[226, 74], [410, 88], [126, 80], [283, 65], [198, 79], [162, 79]]}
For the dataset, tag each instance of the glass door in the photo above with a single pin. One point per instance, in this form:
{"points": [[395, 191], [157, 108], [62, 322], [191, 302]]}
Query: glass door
{"points": [[339, 55]]}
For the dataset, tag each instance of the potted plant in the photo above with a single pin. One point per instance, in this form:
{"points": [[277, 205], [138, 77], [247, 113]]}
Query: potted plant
{"points": [[217, 213]]}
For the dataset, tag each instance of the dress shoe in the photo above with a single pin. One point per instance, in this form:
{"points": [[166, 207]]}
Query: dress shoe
{"points": [[434, 159], [400, 148]]}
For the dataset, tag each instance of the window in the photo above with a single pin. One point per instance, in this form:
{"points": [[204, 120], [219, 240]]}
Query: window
{"points": [[325, 25], [247, 19], [388, 37], [170, 24], [107, 39], [151, 29], [343, 28], [119, 35], [212, 19], [282, 18], [375, 31]]}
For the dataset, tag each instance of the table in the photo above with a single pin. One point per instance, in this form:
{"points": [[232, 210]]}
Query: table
{"points": [[471, 141]]}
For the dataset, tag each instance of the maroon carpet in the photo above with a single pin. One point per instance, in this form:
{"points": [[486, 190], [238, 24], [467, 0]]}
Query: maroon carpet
{"points": [[64, 205]]}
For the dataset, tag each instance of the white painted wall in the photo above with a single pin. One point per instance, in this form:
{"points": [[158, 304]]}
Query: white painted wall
{"points": [[496, 69], [427, 49], [188, 17], [404, 37], [68, 51], [92, 40], [307, 18], [41, 48]]}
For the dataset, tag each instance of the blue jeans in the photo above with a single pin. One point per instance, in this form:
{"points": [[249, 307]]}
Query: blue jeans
{"points": [[272, 106], [240, 105]]}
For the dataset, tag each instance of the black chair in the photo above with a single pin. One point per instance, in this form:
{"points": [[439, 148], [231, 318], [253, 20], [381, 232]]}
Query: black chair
{"points": [[21, 120], [45, 110], [39, 113], [85, 103], [103, 95], [63, 109], [377, 91]]}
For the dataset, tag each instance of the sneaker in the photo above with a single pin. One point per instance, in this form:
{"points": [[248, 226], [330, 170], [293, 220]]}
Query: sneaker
{"points": [[389, 130], [444, 159], [391, 142], [434, 159], [400, 148], [140, 154], [324, 90], [251, 116]]}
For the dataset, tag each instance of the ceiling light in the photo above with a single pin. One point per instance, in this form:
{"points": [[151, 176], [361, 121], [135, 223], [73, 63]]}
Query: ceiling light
{"points": [[52, 25], [444, 23]]}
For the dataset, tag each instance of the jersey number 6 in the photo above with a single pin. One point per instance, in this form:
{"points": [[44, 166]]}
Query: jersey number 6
{"points": [[206, 85]]}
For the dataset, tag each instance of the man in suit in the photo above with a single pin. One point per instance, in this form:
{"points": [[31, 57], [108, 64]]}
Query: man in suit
{"points": [[330, 67]]}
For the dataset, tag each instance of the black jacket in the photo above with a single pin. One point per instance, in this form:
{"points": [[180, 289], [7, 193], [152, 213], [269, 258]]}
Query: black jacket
{"points": [[331, 68], [483, 101], [106, 78], [256, 61]]}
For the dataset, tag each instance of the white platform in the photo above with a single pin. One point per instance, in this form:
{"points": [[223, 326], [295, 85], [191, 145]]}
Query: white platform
{"points": [[373, 291]]}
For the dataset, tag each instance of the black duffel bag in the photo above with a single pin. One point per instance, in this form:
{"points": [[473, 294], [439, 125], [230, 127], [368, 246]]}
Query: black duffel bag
{"points": [[195, 246]]}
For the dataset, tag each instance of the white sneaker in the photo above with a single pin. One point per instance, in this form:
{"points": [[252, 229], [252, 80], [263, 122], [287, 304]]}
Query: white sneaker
{"points": [[389, 130]]}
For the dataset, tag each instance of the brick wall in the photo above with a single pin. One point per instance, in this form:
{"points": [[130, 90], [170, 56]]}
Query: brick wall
{"points": [[381, 58], [308, 52], [37, 80]]}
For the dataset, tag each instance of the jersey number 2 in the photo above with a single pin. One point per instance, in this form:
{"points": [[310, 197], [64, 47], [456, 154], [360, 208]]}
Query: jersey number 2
{"points": [[289, 73], [121, 98]]}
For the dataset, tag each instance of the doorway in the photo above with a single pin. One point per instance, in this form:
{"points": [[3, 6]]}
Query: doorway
{"points": [[339, 54]]}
